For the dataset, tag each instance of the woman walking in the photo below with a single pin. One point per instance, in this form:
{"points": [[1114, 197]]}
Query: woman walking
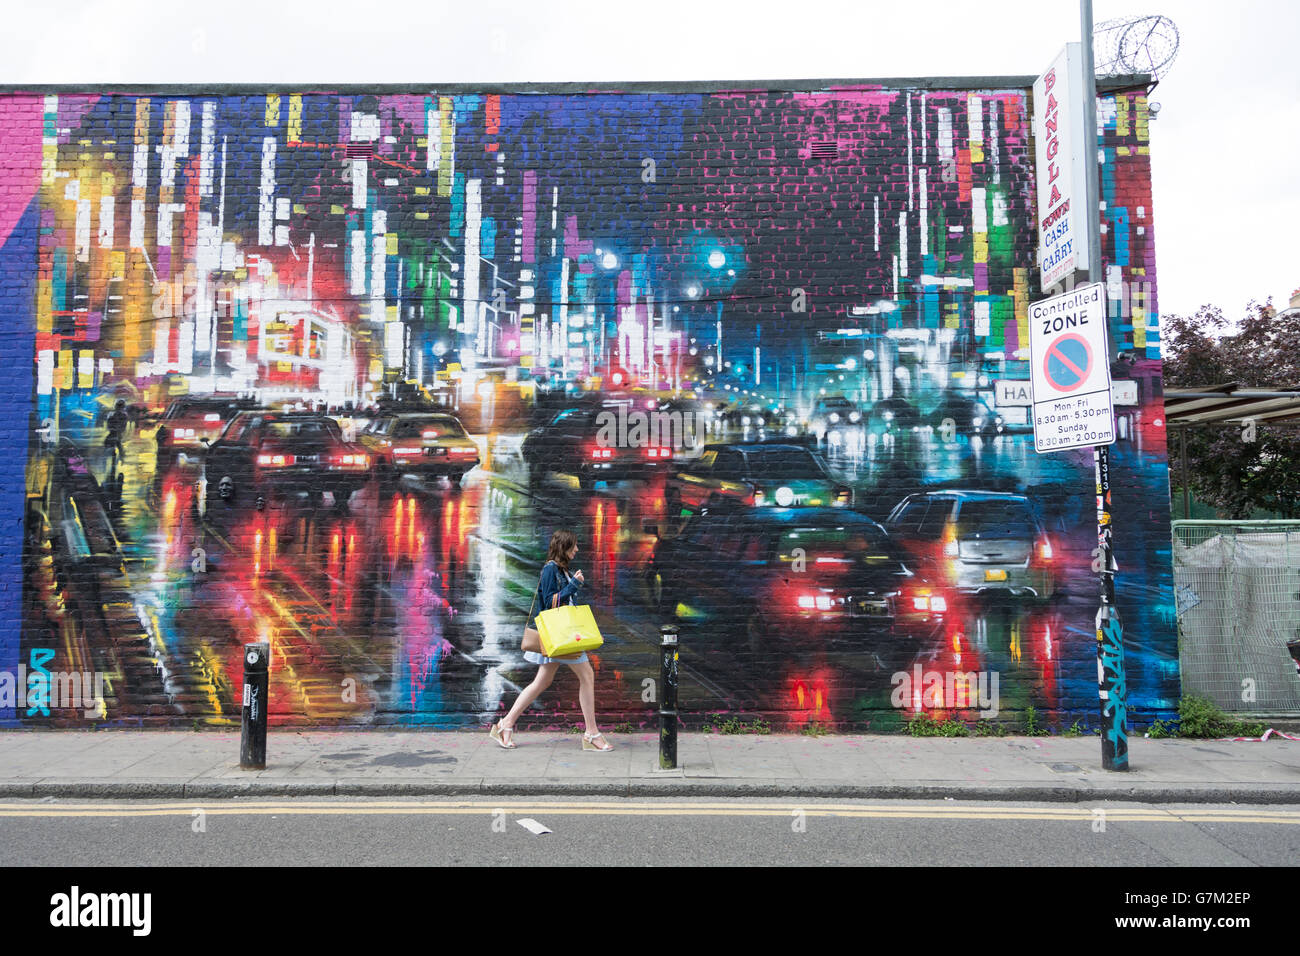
{"points": [[557, 587]]}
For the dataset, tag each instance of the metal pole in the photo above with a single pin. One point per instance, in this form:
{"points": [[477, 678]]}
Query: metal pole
{"points": [[1093, 218], [668, 697], [252, 741], [1182, 461], [1112, 687], [1182, 455]]}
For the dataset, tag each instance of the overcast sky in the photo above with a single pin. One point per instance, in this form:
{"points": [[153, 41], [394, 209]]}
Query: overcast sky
{"points": [[1224, 149]]}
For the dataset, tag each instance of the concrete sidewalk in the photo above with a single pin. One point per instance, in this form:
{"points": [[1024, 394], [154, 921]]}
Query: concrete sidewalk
{"points": [[189, 764]]}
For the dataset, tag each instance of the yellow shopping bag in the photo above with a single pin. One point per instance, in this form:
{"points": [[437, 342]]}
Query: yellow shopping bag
{"points": [[568, 630]]}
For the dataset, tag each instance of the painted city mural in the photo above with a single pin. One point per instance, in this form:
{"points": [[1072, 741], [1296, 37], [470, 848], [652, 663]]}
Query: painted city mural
{"points": [[325, 370]]}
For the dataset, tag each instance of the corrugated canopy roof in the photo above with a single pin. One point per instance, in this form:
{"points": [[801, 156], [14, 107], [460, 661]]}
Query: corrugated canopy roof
{"points": [[1231, 403]]}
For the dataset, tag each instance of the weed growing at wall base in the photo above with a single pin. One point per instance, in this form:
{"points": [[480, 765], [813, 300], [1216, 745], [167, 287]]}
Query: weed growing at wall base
{"points": [[734, 725], [923, 725], [1201, 718], [1033, 728]]}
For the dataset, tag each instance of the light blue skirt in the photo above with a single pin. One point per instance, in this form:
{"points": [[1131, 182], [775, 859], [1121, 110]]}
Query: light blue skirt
{"points": [[533, 657]]}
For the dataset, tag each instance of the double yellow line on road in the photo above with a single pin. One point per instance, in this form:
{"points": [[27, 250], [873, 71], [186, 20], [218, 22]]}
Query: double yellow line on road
{"points": [[1069, 814]]}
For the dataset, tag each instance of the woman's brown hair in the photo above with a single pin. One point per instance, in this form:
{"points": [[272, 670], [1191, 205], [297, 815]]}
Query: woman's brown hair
{"points": [[562, 542]]}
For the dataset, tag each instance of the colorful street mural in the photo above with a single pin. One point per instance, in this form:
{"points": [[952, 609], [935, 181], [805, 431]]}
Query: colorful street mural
{"points": [[325, 370]]}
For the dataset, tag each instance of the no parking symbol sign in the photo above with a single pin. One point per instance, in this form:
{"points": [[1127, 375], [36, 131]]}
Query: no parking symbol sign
{"points": [[1070, 370]]}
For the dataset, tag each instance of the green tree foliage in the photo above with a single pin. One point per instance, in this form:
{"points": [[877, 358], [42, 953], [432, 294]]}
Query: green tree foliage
{"points": [[1261, 351]]}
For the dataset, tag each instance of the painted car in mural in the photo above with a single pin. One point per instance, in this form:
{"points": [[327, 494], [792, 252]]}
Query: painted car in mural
{"points": [[967, 416], [978, 541], [895, 417], [597, 286], [757, 474], [189, 422], [836, 422], [414, 443], [264, 453], [785, 580], [587, 442]]}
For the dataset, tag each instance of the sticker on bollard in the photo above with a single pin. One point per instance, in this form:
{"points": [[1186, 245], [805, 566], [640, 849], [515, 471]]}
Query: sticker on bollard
{"points": [[252, 740], [668, 697]]}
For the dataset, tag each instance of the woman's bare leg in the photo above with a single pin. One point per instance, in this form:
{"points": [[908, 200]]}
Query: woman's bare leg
{"points": [[587, 695], [545, 674]]}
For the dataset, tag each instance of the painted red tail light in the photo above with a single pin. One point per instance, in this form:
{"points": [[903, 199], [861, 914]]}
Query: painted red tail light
{"points": [[810, 694], [817, 602], [601, 454], [925, 601], [275, 461]]}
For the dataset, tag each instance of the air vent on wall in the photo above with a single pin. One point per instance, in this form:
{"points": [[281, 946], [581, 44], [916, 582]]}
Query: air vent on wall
{"points": [[824, 151]]}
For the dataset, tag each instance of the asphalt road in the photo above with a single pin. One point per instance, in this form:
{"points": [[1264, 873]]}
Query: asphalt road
{"points": [[739, 832]]}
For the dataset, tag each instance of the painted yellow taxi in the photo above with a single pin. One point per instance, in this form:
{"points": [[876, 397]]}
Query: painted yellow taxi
{"points": [[419, 443]]}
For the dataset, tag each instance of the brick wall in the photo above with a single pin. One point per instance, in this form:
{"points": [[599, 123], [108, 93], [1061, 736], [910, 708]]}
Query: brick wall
{"points": [[848, 271]]}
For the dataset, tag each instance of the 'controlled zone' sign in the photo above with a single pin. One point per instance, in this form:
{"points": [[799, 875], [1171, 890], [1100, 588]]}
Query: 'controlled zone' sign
{"points": [[1070, 370]]}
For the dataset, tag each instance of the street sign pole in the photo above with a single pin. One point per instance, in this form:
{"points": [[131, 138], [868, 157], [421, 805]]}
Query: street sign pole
{"points": [[1112, 687]]}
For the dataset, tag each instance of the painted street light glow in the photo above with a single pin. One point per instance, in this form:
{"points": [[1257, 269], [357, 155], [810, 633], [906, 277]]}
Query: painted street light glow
{"points": [[609, 261], [716, 259]]}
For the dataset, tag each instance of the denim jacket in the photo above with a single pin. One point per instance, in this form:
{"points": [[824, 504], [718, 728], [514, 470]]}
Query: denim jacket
{"points": [[556, 583]]}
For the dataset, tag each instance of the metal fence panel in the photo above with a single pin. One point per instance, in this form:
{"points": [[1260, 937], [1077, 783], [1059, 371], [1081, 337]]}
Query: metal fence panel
{"points": [[1237, 589]]}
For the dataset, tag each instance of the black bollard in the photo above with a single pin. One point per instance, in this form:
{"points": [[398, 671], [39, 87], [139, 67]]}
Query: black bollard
{"points": [[252, 742], [668, 697]]}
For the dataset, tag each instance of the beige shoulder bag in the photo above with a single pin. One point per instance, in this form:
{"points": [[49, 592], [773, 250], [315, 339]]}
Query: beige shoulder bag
{"points": [[532, 640]]}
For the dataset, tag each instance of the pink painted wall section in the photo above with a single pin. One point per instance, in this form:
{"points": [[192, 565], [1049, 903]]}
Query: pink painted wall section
{"points": [[21, 119], [530, 216]]}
